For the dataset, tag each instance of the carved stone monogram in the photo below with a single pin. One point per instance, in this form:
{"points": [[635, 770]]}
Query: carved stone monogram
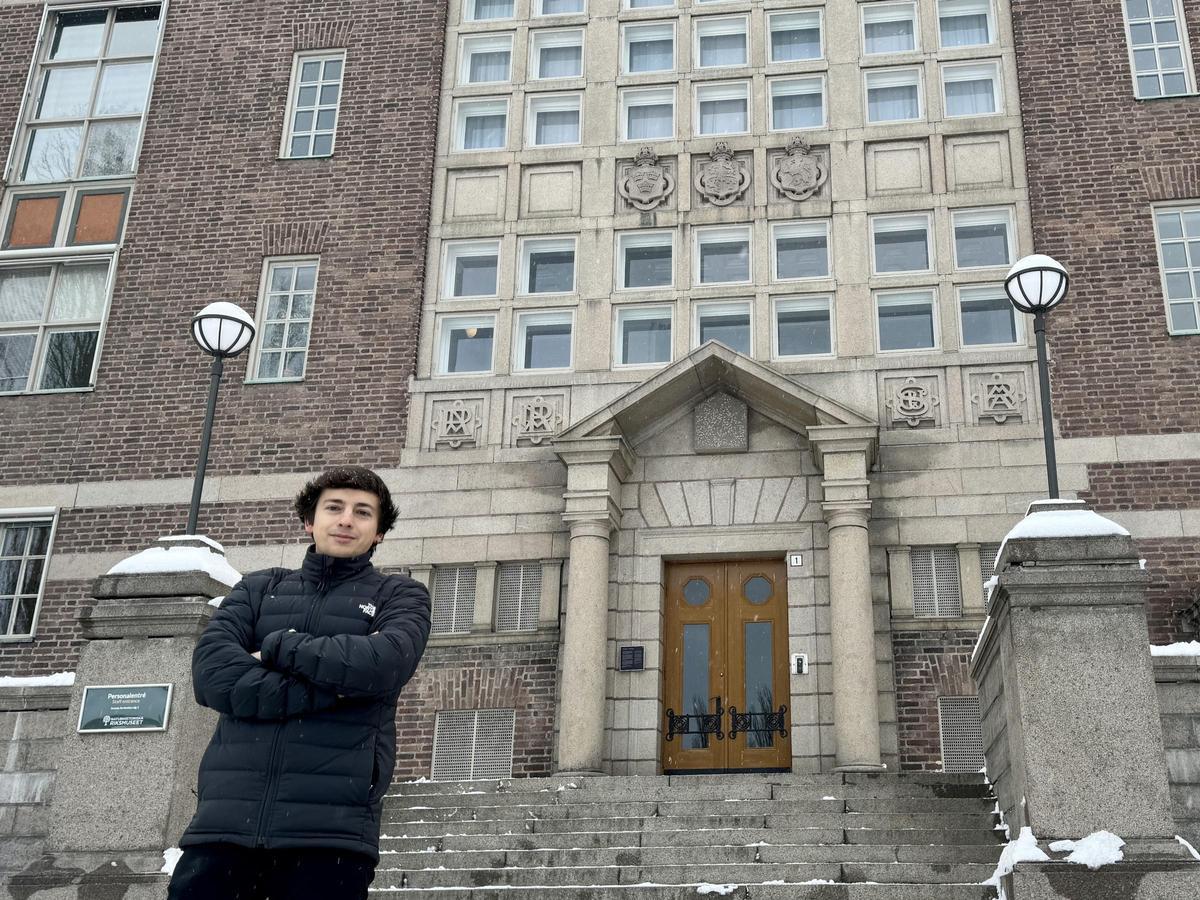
{"points": [[1000, 397], [913, 403], [798, 174], [537, 418], [724, 178], [648, 183], [456, 424]]}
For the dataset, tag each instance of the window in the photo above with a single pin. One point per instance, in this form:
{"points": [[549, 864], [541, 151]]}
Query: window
{"points": [[723, 108], [518, 596], [547, 266], [648, 115], [86, 214], [472, 743], [84, 118], [889, 27], [960, 722], [481, 125], [648, 48], [483, 10], [937, 591], [285, 313], [795, 36], [645, 259], [556, 54], [966, 23], [971, 90], [988, 318], [553, 119], [721, 42], [471, 269], [799, 250], [982, 238], [24, 550], [728, 323], [723, 255], [647, 4], [906, 320], [313, 110], [485, 59], [1157, 48], [465, 346], [50, 319], [543, 341], [900, 244], [797, 103], [802, 327], [893, 95], [559, 7], [643, 335], [1179, 254]]}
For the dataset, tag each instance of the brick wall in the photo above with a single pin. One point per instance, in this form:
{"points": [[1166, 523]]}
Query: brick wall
{"points": [[56, 645], [1174, 569], [928, 665], [494, 676]]}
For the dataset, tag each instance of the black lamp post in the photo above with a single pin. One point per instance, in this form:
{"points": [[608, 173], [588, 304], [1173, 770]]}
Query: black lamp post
{"points": [[1035, 285], [222, 330]]}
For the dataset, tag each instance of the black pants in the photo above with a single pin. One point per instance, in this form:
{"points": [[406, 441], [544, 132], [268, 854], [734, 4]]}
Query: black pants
{"points": [[230, 872]]}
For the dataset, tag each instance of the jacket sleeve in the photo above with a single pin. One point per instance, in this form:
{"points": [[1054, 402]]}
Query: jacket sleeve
{"points": [[351, 665], [225, 677]]}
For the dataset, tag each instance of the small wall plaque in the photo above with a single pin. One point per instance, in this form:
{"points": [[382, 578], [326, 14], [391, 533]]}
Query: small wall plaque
{"points": [[108, 708], [633, 659]]}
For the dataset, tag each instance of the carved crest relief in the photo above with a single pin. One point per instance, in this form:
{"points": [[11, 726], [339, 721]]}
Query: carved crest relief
{"points": [[999, 397], [536, 419], [799, 173], [456, 423], [648, 183], [913, 403], [724, 178]]}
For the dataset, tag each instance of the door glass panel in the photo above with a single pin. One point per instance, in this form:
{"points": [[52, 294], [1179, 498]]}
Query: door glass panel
{"points": [[695, 682], [696, 592], [758, 590], [759, 698]]}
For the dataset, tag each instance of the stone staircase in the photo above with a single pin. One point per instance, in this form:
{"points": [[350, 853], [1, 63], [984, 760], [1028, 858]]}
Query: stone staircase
{"points": [[800, 837]]}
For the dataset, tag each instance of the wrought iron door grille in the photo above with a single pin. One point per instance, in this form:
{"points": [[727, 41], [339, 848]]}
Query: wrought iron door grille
{"points": [[706, 723], [760, 722]]}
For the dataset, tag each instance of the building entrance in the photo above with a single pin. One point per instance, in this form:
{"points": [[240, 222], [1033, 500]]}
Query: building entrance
{"points": [[725, 691]]}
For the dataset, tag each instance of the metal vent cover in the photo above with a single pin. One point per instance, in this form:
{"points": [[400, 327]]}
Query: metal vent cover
{"points": [[937, 588], [453, 599], [471, 744], [519, 597], [960, 722]]}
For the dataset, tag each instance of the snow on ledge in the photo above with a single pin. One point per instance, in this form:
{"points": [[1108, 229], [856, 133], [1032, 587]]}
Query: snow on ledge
{"points": [[170, 858], [192, 538], [1058, 523], [1100, 848], [162, 560], [1184, 648], [58, 679], [1024, 849]]}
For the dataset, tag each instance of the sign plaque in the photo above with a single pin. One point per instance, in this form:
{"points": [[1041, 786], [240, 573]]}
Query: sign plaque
{"points": [[110, 708]]}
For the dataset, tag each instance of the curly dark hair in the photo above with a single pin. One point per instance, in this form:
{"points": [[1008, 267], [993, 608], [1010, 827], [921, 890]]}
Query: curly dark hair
{"points": [[355, 478]]}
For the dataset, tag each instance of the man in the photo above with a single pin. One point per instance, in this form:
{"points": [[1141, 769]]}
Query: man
{"points": [[305, 667]]}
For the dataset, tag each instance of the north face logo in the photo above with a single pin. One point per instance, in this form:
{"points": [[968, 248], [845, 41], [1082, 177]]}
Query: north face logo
{"points": [[368, 608]]}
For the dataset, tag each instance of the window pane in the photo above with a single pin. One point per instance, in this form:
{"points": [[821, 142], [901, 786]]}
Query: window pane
{"points": [[10, 571], [889, 37], [645, 341], [647, 266], [558, 7], [135, 31], [484, 132], [889, 104], [493, 9], [16, 540], [724, 261], [123, 89], [66, 93], [23, 294], [1183, 318], [53, 154], [16, 358], [272, 336], [981, 245], [906, 326], [79, 293], [560, 62], [69, 356], [489, 66], [696, 679], [277, 307], [723, 50], [77, 35], [651, 56], [548, 346], [650, 122], [31, 580], [293, 364], [795, 43], [470, 349], [804, 332], [722, 116], [33, 221], [551, 271], [731, 329], [901, 251], [970, 98], [988, 320], [758, 646], [110, 148], [269, 365], [1170, 224], [801, 257], [965, 31], [40, 541], [474, 276], [557, 127], [797, 111], [23, 620], [99, 218]]}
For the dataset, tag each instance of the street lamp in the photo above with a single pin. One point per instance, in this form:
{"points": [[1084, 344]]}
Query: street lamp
{"points": [[1035, 285], [222, 330]]}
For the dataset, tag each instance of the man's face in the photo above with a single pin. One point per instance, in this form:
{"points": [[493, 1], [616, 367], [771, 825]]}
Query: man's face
{"points": [[345, 523]]}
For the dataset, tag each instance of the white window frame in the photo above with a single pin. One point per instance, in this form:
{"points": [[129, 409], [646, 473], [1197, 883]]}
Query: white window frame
{"points": [[1192, 270], [990, 216], [655, 238], [722, 234], [898, 77], [471, 11], [817, 14], [628, 5], [539, 9], [552, 243], [540, 103], [1185, 51], [452, 251], [554, 37], [984, 291], [32, 516], [958, 72], [483, 43], [715, 26], [652, 31], [804, 228], [448, 323], [260, 319], [889, 11], [991, 22], [721, 90], [896, 298], [791, 86], [637, 312], [802, 302], [898, 222], [463, 106], [656, 96], [525, 318], [298, 61], [723, 307]]}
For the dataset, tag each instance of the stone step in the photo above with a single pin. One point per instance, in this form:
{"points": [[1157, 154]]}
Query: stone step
{"points": [[787, 891]]}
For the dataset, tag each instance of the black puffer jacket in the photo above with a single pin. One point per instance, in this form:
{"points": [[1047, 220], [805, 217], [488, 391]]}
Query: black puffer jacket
{"points": [[306, 743]]}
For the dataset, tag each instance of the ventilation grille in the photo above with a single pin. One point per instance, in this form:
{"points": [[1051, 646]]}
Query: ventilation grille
{"points": [[453, 599], [962, 734], [519, 597], [473, 743], [937, 591]]}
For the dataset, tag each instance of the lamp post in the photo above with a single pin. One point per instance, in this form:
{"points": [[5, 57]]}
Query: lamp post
{"points": [[1035, 285], [222, 330]]}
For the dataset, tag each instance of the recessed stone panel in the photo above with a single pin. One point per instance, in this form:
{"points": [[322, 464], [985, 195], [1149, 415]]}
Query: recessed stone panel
{"points": [[475, 194], [911, 400], [997, 395], [898, 167], [455, 422], [720, 425], [550, 190], [533, 417], [978, 161]]}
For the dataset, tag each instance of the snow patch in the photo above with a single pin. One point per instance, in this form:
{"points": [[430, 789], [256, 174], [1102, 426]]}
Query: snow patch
{"points": [[1100, 848], [1190, 848], [58, 679], [721, 889], [160, 560], [1183, 648], [1063, 523], [170, 858], [216, 601], [1023, 849]]}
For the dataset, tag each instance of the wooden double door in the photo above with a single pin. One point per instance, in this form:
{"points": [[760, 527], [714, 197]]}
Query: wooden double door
{"points": [[725, 692]]}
